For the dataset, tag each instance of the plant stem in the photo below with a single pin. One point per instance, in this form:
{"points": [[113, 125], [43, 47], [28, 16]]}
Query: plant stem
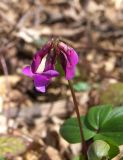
{"points": [[84, 146]]}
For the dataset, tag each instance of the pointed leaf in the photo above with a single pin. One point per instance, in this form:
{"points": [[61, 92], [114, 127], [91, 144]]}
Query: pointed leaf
{"points": [[114, 149], [106, 122], [70, 131], [98, 115], [98, 150]]}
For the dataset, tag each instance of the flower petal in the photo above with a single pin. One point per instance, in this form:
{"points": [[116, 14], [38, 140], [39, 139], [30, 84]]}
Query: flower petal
{"points": [[69, 59], [70, 73], [27, 71], [41, 80], [51, 73], [39, 55], [41, 89]]}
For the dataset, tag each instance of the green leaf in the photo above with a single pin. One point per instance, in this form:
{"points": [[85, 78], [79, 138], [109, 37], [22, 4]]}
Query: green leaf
{"points": [[115, 121], [103, 121], [11, 146], [88, 133], [81, 86], [98, 115], [98, 150], [70, 131], [114, 149], [107, 122]]}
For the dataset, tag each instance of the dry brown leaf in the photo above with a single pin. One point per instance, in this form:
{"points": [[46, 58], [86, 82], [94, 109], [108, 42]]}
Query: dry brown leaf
{"points": [[51, 154]]}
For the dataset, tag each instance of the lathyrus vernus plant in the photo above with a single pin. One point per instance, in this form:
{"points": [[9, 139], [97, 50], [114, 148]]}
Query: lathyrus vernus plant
{"points": [[101, 131]]}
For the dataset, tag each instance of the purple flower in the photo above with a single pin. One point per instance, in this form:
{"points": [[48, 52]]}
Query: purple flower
{"points": [[69, 59], [42, 69]]}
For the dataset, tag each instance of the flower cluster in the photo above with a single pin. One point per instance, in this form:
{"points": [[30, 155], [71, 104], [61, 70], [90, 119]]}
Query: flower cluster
{"points": [[42, 68]]}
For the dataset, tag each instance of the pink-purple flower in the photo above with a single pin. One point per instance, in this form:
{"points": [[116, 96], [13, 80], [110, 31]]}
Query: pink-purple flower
{"points": [[42, 68]]}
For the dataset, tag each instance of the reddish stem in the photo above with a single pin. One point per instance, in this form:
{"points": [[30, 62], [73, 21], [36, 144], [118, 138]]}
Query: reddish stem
{"points": [[84, 146]]}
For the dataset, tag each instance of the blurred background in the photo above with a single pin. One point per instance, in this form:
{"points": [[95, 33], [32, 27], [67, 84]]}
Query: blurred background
{"points": [[94, 28]]}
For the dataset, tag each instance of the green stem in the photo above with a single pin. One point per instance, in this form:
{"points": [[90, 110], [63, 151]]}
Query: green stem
{"points": [[84, 146]]}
